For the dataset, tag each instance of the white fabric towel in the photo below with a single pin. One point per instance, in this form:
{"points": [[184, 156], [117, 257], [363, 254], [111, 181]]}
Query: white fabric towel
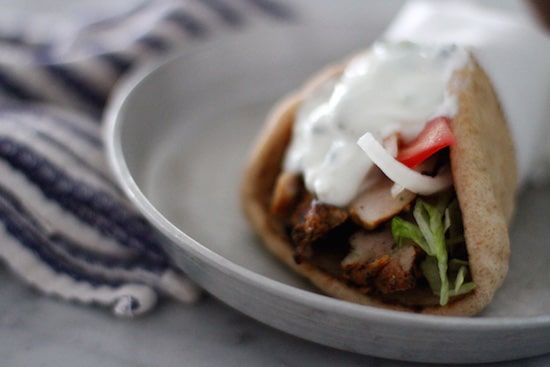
{"points": [[65, 227]]}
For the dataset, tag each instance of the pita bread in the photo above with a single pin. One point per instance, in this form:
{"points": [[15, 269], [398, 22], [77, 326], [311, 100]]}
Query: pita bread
{"points": [[484, 171]]}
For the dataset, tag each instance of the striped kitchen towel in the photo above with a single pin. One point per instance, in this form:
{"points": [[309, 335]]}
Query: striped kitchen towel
{"points": [[66, 228]]}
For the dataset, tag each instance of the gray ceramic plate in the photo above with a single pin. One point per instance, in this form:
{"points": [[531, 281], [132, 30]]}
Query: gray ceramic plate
{"points": [[178, 133]]}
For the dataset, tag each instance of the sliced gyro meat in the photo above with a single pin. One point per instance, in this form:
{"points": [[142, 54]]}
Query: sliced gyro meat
{"points": [[376, 263], [377, 204], [312, 223], [288, 190], [400, 273]]}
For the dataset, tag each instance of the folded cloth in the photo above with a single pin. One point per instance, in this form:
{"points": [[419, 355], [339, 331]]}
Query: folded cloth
{"points": [[75, 60], [66, 228]]}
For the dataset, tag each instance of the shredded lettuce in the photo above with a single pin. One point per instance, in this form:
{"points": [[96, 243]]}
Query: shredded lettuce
{"points": [[437, 231]]}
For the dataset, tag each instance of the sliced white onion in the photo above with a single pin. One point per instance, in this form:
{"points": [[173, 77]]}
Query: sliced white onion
{"points": [[401, 174], [391, 144]]}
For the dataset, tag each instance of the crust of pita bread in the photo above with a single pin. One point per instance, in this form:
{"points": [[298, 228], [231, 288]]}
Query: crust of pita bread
{"points": [[484, 173]]}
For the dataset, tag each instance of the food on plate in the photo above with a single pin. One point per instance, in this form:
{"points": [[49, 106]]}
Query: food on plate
{"points": [[389, 180]]}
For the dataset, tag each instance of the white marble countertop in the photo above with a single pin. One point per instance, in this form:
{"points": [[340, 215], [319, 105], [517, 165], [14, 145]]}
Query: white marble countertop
{"points": [[38, 331]]}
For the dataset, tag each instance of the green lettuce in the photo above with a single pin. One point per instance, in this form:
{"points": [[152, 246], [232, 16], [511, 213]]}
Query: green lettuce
{"points": [[437, 230]]}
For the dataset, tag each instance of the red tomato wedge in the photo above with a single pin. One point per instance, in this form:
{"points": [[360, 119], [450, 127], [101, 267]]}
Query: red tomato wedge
{"points": [[435, 136]]}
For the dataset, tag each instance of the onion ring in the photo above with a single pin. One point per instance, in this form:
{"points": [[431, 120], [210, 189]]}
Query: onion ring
{"points": [[401, 174]]}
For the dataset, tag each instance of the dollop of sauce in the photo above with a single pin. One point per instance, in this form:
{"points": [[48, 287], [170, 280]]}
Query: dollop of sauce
{"points": [[390, 88]]}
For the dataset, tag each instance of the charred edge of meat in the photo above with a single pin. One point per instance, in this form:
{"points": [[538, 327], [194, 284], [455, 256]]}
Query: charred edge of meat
{"points": [[376, 264], [307, 220], [314, 221], [401, 272]]}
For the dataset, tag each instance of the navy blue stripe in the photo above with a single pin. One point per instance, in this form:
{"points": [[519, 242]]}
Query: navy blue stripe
{"points": [[110, 263], [16, 205], [118, 62], [78, 158], [32, 126], [15, 88], [58, 117], [274, 8], [44, 55], [136, 262], [17, 39], [94, 207], [154, 42], [109, 219], [62, 118], [81, 87], [188, 23], [225, 12], [28, 236], [13, 39]]}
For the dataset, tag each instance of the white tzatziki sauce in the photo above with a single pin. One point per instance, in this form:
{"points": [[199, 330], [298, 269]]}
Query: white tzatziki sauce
{"points": [[391, 88]]}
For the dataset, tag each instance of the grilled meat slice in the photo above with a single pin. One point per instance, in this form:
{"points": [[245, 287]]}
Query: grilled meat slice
{"points": [[376, 205], [286, 195], [376, 263], [400, 273], [311, 221]]}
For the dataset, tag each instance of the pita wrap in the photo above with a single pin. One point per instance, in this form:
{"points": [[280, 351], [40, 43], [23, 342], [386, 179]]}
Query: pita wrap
{"points": [[484, 174]]}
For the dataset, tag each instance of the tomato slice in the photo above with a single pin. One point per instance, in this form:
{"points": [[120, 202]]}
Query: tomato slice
{"points": [[435, 136]]}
